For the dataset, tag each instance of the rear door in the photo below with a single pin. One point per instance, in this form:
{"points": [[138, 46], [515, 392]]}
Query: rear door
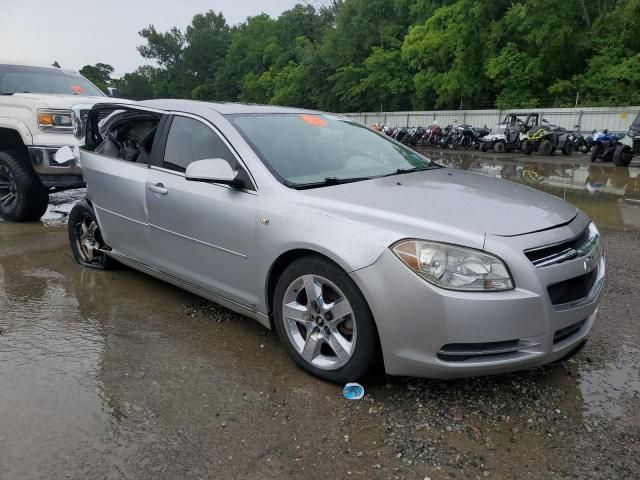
{"points": [[116, 188], [202, 233]]}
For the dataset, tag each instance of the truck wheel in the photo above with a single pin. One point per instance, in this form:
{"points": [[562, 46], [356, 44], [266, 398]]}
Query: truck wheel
{"points": [[85, 238], [622, 156], [546, 147], [499, 147], [23, 198]]}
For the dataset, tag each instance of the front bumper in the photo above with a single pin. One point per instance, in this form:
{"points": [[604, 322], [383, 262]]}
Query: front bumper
{"points": [[426, 331], [51, 173]]}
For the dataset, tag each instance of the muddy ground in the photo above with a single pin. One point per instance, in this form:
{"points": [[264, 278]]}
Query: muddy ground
{"points": [[115, 375]]}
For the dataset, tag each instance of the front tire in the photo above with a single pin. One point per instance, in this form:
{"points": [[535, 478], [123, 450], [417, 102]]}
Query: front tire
{"points": [[330, 333], [85, 239], [567, 148], [596, 152], [526, 147], [546, 147], [622, 156], [499, 147], [23, 198]]}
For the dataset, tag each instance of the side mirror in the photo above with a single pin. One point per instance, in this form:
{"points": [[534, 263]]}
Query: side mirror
{"points": [[215, 170], [112, 92]]}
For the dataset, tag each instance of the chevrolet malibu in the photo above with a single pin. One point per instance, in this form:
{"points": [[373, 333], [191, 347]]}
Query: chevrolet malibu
{"points": [[351, 246]]}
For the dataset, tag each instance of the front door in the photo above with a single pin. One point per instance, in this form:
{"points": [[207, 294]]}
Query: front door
{"points": [[202, 233], [116, 179]]}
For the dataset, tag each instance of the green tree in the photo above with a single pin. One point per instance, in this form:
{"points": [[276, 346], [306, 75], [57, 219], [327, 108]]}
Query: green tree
{"points": [[98, 74]]}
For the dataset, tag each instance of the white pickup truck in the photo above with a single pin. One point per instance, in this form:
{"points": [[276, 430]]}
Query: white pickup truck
{"points": [[40, 110]]}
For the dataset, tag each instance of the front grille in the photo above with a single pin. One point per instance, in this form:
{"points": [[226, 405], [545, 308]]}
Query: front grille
{"points": [[459, 352], [566, 332], [572, 289], [564, 251]]}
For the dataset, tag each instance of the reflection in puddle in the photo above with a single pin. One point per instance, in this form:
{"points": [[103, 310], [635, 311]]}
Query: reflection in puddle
{"points": [[608, 194]]}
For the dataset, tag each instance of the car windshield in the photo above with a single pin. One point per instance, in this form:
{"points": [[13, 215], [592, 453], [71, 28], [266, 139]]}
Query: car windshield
{"points": [[498, 129], [310, 149], [23, 79]]}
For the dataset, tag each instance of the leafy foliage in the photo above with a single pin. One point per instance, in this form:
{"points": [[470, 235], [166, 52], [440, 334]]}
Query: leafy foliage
{"points": [[352, 55]]}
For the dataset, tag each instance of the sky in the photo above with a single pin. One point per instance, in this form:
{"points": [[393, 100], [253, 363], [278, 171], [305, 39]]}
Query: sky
{"points": [[85, 32]]}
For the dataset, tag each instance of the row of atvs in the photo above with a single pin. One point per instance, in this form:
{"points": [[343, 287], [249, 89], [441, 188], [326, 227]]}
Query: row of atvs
{"points": [[526, 134]]}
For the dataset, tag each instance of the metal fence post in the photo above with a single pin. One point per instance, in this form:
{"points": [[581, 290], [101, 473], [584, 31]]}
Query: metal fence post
{"points": [[365, 119]]}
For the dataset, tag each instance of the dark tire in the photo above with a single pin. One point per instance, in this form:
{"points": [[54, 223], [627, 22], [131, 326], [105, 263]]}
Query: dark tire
{"points": [[85, 238], [294, 335], [546, 147], [499, 147], [483, 147], [23, 198], [526, 147], [622, 156], [596, 152], [567, 148]]}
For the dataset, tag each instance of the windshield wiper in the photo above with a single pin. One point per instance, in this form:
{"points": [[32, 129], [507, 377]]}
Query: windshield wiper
{"points": [[400, 171], [328, 181]]}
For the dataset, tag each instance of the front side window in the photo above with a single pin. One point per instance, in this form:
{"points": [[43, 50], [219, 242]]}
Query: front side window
{"points": [[190, 140], [305, 150]]}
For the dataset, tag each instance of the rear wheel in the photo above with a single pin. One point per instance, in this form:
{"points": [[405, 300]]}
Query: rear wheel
{"points": [[567, 148], [526, 147], [85, 238], [23, 198], [499, 147], [483, 146], [596, 152], [622, 156], [546, 147], [324, 321]]}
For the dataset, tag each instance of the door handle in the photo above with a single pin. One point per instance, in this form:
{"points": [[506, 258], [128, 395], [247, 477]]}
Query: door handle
{"points": [[158, 188]]}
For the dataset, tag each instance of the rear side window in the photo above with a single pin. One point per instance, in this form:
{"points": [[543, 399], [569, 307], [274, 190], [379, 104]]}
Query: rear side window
{"points": [[190, 140]]}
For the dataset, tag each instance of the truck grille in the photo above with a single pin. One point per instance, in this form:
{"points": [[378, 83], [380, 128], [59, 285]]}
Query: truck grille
{"points": [[564, 251]]}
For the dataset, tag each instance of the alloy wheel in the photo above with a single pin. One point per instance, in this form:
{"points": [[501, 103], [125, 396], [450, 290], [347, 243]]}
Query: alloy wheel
{"points": [[319, 322], [8, 187], [88, 238]]}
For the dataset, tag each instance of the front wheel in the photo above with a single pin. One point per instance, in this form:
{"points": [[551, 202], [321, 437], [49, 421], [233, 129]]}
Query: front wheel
{"points": [[526, 147], [85, 238], [23, 198], [567, 148], [622, 156], [546, 147], [324, 321], [499, 147], [596, 152]]}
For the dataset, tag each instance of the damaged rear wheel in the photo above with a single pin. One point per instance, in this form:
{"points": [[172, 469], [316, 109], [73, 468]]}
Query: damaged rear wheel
{"points": [[85, 238]]}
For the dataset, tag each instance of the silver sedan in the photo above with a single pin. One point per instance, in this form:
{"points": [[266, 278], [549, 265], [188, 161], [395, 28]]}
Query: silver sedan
{"points": [[351, 246]]}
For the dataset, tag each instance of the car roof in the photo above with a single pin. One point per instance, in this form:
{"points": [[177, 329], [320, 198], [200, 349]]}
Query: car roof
{"points": [[20, 63], [223, 108]]}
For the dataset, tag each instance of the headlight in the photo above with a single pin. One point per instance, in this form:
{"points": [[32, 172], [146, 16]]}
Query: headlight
{"points": [[454, 268], [60, 121]]}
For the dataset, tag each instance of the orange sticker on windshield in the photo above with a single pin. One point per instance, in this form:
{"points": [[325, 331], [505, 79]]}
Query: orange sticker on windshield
{"points": [[77, 89], [314, 120]]}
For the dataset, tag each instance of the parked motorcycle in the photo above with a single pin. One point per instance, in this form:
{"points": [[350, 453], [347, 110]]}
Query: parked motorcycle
{"points": [[580, 143]]}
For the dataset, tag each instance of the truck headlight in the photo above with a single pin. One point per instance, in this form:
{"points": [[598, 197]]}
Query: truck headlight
{"points": [[60, 121], [453, 267]]}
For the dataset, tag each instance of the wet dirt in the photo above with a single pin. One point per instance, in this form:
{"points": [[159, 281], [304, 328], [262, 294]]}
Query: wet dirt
{"points": [[116, 375]]}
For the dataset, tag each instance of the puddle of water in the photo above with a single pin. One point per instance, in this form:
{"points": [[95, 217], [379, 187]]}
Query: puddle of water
{"points": [[608, 388], [609, 195]]}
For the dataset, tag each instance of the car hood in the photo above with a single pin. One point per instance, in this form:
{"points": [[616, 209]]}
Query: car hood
{"points": [[445, 199], [64, 101]]}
